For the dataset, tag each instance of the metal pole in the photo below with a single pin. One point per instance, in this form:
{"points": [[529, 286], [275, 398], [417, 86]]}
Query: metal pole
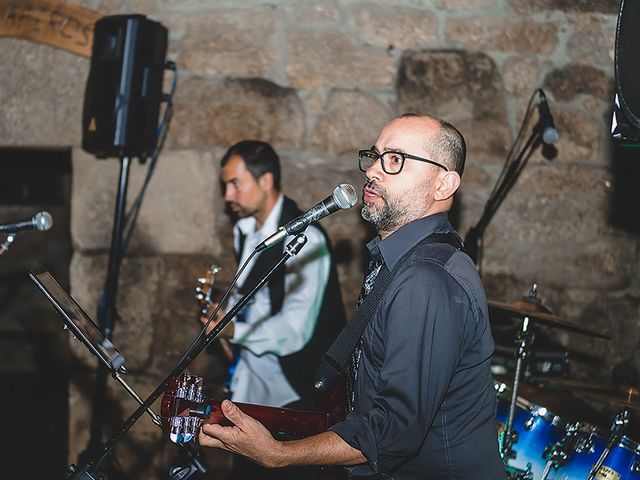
{"points": [[107, 308]]}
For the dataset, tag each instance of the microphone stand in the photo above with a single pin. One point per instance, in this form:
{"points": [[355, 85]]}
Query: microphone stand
{"points": [[87, 472], [511, 172]]}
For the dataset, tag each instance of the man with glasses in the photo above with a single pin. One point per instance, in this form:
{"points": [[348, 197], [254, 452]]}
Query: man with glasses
{"points": [[423, 403]]}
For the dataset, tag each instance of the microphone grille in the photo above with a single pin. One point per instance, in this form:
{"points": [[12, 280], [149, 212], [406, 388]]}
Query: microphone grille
{"points": [[550, 135], [43, 221], [345, 196]]}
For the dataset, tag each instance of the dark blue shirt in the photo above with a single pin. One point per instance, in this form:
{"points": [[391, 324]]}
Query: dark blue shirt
{"points": [[424, 399]]}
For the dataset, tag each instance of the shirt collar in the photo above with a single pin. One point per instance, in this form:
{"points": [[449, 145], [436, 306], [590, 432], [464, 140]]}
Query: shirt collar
{"points": [[406, 237], [247, 225]]}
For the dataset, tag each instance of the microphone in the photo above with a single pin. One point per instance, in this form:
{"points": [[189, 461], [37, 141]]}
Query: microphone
{"points": [[344, 196], [40, 221], [549, 133]]}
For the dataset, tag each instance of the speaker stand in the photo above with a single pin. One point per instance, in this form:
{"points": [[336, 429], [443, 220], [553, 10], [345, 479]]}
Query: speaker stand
{"points": [[107, 313]]}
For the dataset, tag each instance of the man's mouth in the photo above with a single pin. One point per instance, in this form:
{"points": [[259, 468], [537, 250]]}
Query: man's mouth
{"points": [[370, 194]]}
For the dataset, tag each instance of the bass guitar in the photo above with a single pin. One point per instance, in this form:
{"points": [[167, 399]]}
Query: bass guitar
{"points": [[204, 296]]}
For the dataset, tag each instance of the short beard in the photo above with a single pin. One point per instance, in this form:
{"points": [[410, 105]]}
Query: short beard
{"points": [[393, 214]]}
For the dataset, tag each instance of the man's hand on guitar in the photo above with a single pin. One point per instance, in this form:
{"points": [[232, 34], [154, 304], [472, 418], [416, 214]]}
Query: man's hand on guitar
{"points": [[246, 436], [227, 332]]}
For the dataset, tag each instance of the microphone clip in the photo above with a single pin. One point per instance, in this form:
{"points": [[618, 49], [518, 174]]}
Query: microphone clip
{"points": [[4, 246]]}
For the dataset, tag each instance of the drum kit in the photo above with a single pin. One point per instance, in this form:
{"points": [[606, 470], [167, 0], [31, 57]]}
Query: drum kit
{"points": [[536, 443]]}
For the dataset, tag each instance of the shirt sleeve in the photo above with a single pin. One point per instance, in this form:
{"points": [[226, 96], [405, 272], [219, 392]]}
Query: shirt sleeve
{"points": [[420, 325], [305, 282]]}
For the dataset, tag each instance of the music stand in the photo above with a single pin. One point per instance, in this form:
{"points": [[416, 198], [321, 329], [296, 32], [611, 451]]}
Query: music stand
{"points": [[77, 321], [85, 330]]}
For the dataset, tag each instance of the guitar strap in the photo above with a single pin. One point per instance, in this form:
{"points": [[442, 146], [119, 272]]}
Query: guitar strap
{"points": [[335, 360]]}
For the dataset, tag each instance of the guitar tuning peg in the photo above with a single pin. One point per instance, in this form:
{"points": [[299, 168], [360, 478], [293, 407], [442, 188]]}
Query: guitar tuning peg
{"points": [[198, 289], [200, 297], [202, 280]]}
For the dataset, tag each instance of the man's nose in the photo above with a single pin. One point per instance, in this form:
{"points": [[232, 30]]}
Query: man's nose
{"points": [[375, 170], [229, 193]]}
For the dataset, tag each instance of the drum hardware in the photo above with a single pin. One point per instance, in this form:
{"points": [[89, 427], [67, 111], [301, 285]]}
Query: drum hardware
{"points": [[540, 364], [544, 441], [525, 337], [620, 423], [558, 454], [535, 427]]}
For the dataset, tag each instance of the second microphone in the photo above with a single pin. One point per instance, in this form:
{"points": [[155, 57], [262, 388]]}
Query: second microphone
{"points": [[344, 196]]}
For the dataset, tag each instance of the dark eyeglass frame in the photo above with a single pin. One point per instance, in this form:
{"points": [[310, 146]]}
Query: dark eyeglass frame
{"points": [[369, 154]]}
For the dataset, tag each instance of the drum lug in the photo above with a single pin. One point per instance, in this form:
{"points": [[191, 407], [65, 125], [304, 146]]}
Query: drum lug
{"points": [[528, 425], [635, 466]]}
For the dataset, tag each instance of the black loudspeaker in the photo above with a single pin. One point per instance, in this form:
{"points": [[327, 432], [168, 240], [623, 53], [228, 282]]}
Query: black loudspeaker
{"points": [[625, 127], [124, 88]]}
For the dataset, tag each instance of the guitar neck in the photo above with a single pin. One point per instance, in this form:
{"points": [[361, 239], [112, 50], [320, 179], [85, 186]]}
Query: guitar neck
{"points": [[279, 421]]}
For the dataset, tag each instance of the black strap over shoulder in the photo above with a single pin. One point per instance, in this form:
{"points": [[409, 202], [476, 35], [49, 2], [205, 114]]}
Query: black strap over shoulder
{"points": [[337, 357]]}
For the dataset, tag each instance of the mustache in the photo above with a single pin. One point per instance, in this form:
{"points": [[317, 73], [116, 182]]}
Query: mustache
{"points": [[375, 188]]}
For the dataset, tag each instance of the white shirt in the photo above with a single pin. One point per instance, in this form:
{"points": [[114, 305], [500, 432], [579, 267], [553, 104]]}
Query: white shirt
{"points": [[258, 377]]}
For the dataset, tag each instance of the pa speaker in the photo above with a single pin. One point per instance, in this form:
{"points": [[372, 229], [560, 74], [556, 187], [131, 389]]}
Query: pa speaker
{"points": [[124, 88], [625, 126]]}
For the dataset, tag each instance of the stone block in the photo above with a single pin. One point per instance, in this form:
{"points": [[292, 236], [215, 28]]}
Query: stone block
{"points": [[456, 5], [313, 13], [617, 316], [576, 79], [581, 135], [557, 203], [221, 113], [522, 75], [327, 58], [395, 27], [138, 286], [503, 34], [603, 264], [593, 40], [579, 6], [230, 42], [178, 211], [463, 88], [41, 95], [157, 308], [341, 131]]}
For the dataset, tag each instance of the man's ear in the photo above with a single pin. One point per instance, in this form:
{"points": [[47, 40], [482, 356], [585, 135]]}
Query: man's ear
{"points": [[447, 185], [266, 181]]}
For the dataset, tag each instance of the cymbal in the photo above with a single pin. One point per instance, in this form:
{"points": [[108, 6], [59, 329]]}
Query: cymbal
{"points": [[618, 396], [536, 312]]}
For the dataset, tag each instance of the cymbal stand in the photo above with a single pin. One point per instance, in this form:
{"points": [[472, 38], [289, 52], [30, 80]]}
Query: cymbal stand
{"points": [[620, 422], [525, 338]]}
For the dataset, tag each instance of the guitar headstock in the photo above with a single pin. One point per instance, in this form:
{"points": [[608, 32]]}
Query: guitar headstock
{"points": [[184, 405], [204, 290]]}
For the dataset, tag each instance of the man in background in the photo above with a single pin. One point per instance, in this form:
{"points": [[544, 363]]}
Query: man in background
{"points": [[281, 334]]}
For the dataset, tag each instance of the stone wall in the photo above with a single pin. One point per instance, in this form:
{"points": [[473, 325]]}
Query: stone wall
{"points": [[318, 80]]}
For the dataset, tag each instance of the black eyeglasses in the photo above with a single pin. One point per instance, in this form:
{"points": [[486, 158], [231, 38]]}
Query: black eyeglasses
{"points": [[392, 161]]}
